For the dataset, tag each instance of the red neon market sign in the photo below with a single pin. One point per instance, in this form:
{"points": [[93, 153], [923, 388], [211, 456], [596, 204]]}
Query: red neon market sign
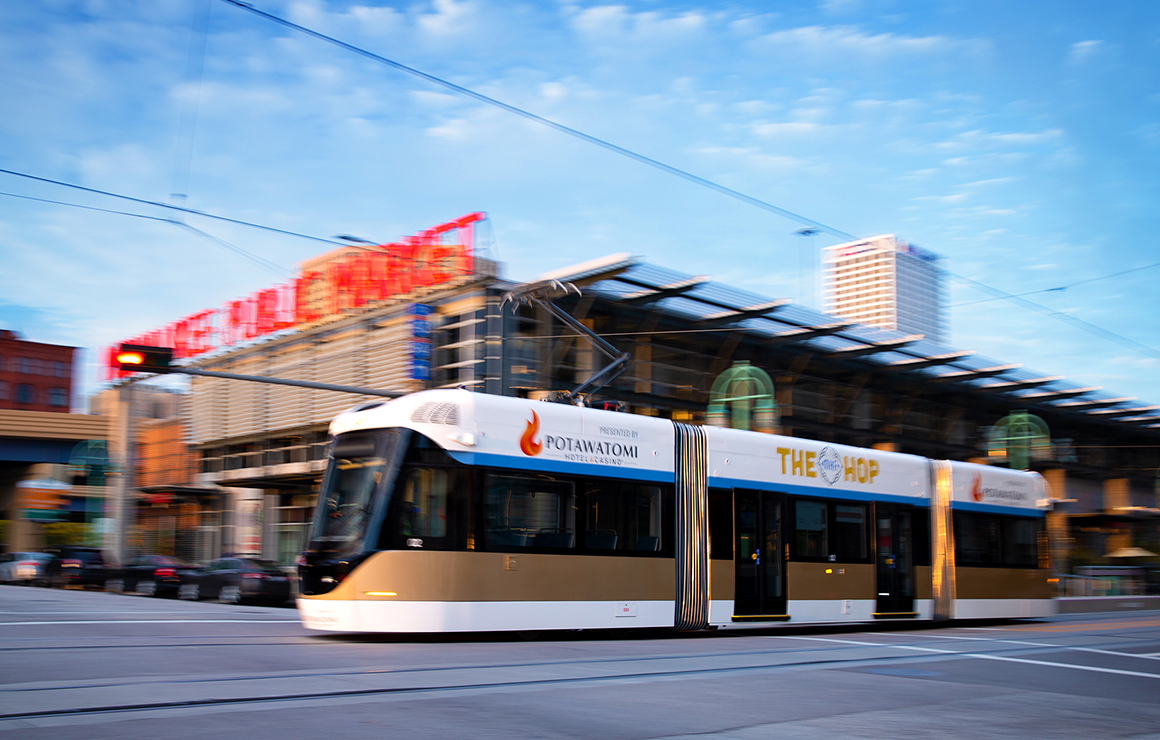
{"points": [[332, 289]]}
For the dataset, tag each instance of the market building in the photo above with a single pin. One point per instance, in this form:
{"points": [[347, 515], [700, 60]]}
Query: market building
{"points": [[428, 313]]}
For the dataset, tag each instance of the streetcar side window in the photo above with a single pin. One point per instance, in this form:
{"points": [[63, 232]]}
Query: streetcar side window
{"points": [[644, 517], [976, 539], [423, 503], [831, 531], [620, 517], [430, 510], [1021, 542], [810, 531], [850, 542], [525, 512], [994, 540], [721, 524]]}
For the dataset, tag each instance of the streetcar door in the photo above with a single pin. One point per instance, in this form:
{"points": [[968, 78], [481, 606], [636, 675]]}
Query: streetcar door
{"points": [[894, 540], [760, 560]]}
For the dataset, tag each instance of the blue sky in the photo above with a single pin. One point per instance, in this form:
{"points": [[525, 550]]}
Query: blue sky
{"points": [[1019, 141]]}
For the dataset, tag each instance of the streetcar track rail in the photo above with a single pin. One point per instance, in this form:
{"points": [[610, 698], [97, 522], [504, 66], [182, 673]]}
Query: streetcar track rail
{"points": [[401, 690], [934, 655]]}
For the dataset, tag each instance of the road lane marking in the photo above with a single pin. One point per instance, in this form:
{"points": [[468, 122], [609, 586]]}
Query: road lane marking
{"points": [[152, 621], [1146, 656], [1093, 669], [982, 639], [1088, 626], [982, 656]]}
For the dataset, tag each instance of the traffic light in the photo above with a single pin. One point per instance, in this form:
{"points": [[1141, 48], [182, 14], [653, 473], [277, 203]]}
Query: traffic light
{"points": [[137, 358]]}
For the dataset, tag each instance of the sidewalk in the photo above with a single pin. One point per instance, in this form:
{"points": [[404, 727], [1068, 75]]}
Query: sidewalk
{"points": [[1086, 604]]}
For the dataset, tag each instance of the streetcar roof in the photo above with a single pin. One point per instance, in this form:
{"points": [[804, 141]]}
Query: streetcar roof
{"points": [[486, 429]]}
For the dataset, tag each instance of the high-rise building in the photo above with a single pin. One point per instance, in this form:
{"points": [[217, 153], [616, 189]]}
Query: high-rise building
{"points": [[886, 282]]}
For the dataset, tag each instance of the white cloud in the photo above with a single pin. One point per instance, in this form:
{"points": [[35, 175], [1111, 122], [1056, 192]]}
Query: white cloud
{"points": [[1083, 51], [608, 23], [791, 128], [845, 40], [377, 21], [754, 158], [991, 181], [450, 18], [841, 7], [953, 198], [978, 139], [436, 100]]}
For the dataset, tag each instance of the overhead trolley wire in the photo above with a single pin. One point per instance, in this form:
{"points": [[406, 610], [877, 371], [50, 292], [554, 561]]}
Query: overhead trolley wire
{"points": [[696, 179], [1075, 321], [233, 247], [169, 206], [1064, 287], [549, 123]]}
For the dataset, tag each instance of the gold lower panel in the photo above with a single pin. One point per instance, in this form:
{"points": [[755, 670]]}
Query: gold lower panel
{"points": [[1002, 583], [484, 576], [812, 582]]}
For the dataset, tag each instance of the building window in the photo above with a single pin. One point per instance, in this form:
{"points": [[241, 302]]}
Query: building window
{"points": [[58, 369], [3, 391], [57, 397], [24, 393], [1, 363], [25, 366]]}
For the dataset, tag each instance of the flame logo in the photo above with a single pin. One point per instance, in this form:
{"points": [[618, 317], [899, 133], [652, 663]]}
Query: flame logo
{"points": [[528, 442], [977, 488]]}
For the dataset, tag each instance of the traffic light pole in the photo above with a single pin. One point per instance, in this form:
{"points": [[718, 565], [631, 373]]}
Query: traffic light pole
{"points": [[285, 381]]}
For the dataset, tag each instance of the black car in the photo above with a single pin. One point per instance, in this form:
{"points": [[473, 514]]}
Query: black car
{"points": [[151, 575], [74, 565], [235, 580]]}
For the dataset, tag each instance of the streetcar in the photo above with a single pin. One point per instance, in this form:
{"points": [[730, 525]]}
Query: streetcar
{"points": [[454, 511]]}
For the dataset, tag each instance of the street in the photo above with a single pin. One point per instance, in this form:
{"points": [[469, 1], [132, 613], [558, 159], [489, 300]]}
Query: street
{"points": [[99, 665]]}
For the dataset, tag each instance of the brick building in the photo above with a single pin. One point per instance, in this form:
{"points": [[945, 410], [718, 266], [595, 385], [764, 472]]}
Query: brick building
{"points": [[34, 376]]}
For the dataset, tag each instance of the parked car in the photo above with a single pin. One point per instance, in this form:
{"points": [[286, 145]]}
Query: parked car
{"points": [[235, 580], [76, 565], [26, 568], [151, 575]]}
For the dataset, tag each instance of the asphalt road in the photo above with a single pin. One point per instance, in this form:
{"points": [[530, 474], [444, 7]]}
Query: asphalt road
{"points": [[95, 665]]}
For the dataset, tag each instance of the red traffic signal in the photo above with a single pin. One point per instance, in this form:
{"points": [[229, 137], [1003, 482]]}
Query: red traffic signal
{"points": [[137, 358]]}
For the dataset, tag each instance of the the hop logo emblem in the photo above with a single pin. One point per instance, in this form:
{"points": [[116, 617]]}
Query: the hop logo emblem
{"points": [[830, 465], [528, 442], [977, 488]]}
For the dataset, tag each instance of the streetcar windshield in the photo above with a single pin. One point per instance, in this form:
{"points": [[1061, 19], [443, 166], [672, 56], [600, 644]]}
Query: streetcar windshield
{"points": [[361, 467]]}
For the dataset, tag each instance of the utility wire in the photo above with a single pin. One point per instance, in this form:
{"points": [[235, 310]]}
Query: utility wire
{"points": [[171, 207], [1062, 316], [1059, 315], [190, 103], [1064, 287], [87, 208], [274, 266], [248, 255], [549, 123]]}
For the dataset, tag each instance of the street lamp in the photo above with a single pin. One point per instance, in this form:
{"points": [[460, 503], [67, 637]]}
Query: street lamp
{"points": [[807, 231]]}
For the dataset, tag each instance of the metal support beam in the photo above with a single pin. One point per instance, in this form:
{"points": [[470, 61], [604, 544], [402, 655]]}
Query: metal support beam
{"points": [[284, 381]]}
